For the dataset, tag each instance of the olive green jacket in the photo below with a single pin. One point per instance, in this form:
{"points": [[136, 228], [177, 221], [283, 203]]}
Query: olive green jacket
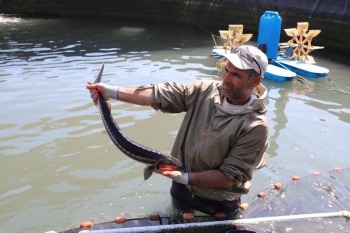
{"points": [[212, 138]]}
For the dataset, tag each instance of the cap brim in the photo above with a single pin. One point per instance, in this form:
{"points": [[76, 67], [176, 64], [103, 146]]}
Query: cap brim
{"points": [[238, 62]]}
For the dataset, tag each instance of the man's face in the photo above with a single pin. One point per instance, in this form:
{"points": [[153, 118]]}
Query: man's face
{"points": [[236, 84]]}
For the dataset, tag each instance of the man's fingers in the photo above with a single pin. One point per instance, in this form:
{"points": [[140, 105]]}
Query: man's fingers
{"points": [[171, 173], [94, 94], [177, 176], [95, 90], [101, 91], [91, 86], [164, 173]]}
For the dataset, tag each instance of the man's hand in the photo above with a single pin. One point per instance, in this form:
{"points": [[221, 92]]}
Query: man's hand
{"points": [[177, 176], [106, 91]]}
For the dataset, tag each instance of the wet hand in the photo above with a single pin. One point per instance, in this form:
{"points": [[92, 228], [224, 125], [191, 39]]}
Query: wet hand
{"points": [[177, 176], [94, 91], [105, 90]]}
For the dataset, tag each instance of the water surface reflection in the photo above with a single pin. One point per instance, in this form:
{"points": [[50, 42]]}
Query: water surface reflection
{"points": [[57, 168]]}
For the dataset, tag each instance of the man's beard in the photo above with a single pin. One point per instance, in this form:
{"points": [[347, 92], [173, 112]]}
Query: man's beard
{"points": [[237, 93]]}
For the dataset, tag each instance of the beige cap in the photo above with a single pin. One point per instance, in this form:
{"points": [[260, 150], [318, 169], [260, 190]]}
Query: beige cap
{"points": [[248, 57]]}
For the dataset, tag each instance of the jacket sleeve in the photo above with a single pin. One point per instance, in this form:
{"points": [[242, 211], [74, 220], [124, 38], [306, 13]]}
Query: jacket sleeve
{"points": [[247, 153], [175, 98]]}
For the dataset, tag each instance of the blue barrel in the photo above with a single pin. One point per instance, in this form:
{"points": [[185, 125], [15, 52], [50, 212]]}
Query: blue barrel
{"points": [[269, 33]]}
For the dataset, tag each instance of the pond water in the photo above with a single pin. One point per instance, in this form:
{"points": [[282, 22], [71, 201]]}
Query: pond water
{"points": [[58, 169]]}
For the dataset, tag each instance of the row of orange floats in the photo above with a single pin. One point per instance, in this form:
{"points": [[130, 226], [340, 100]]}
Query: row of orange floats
{"points": [[153, 217], [190, 216], [295, 178]]}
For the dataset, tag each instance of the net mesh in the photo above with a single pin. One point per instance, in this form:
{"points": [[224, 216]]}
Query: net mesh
{"points": [[315, 203], [324, 225]]}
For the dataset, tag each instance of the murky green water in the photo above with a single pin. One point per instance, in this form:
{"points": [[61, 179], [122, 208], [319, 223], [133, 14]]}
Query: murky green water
{"points": [[58, 170]]}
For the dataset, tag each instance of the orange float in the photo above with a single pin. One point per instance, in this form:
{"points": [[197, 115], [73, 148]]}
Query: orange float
{"points": [[295, 178], [188, 216], [120, 220], [337, 169], [154, 217], [220, 215], [316, 173], [86, 225], [261, 194], [243, 206], [277, 185]]}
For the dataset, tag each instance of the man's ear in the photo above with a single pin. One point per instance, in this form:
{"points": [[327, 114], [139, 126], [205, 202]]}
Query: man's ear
{"points": [[256, 81]]}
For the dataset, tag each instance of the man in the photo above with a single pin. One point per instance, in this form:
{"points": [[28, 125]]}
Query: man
{"points": [[223, 137]]}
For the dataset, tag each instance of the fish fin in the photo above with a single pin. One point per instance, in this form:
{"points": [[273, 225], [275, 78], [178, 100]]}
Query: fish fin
{"points": [[148, 171]]}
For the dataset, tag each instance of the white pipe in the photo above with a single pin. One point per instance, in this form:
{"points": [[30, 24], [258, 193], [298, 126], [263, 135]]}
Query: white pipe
{"points": [[345, 214]]}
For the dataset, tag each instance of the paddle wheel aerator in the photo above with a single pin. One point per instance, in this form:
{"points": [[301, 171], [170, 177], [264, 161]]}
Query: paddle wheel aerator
{"points": [[300, 45]]}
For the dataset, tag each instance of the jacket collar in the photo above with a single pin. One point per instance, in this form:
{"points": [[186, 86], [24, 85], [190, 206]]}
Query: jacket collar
{"points": [[254, 105]]}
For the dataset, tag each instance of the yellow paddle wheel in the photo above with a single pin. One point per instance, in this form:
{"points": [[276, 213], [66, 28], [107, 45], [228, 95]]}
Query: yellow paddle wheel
{"points": [[234, 37], [300, 44]]}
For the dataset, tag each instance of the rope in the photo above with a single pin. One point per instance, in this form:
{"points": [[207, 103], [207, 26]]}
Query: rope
{"points": [[339, 89], [214, 40], [188, 17], [302, 80], [193, 21]]}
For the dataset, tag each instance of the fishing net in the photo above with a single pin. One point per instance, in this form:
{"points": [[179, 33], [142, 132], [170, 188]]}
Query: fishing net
{"points": [[315, 203], [327, 222]]}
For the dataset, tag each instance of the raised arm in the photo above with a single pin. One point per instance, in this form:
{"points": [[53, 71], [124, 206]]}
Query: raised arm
{"points": [[144, 96]]}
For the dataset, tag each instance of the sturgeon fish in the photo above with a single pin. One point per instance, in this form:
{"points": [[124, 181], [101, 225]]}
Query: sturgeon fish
{"points": [[152, 158]]}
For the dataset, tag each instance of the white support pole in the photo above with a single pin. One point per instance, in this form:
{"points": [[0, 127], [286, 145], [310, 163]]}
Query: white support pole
{"points": [[345, 214]]}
